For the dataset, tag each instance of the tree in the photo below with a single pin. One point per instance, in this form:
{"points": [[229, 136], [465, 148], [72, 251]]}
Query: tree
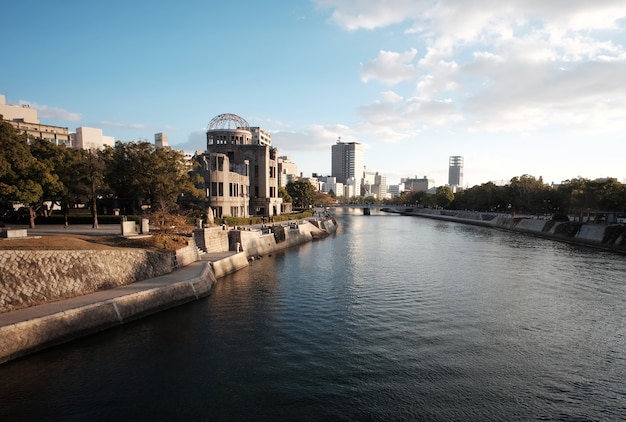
{"points": [[68, 165], [23, 178], [444, 196], [322, 198], [140, 173], [302, 193], [527, 193], [94, 172], [282, 192]]}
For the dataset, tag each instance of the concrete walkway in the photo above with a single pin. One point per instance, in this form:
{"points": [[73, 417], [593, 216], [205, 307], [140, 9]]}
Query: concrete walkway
{"points": [[44, 229]]}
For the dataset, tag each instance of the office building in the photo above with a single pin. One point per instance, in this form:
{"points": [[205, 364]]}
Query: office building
{"points": [[160, 140], [455, 171], [379, 189], [90, 138], [418, 185], [25, 120], [347, 164]]}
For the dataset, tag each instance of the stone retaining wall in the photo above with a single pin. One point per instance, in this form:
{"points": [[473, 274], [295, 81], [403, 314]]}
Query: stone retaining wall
{"points": [[271, 239], [39, 333], [30, 278], [212, 239]]}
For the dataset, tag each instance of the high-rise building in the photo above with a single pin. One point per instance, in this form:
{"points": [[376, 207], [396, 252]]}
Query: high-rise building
{"points": [[455, 171], [347, 163], [160, 140], [380, 183]]}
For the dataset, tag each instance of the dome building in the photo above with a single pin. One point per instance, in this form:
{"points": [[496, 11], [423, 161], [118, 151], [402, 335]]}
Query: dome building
{"points": [[240, 169]]}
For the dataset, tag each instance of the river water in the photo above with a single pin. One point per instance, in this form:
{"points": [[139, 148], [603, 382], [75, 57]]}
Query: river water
{"points": [[393, 318]]}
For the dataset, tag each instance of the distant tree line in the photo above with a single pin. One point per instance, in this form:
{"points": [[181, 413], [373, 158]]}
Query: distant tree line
{"points": [[526, 194], [127, 176]]}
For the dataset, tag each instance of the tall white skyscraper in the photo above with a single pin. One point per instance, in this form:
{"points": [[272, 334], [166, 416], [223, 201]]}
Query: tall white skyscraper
{"points": [[347, 163]]}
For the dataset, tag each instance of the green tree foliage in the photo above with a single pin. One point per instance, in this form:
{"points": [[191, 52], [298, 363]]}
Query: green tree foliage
{"points": [[282, 193], [76, 171], [444, 196], [322, 198], [485, 197], [24, 178], [528, 193], [140, 173], [302, 193]]}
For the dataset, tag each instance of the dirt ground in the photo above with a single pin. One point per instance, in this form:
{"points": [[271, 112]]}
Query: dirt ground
{"points": [[84, 242]]}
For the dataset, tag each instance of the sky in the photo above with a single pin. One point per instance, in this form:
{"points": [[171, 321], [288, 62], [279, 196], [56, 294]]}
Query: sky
{"points": [[514, 86]]}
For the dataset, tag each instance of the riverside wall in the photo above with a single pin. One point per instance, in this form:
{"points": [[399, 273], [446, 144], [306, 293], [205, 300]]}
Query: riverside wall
{"points": [[605, 236], [48, 325], [30, 278], [103, 287], [275, 237]]}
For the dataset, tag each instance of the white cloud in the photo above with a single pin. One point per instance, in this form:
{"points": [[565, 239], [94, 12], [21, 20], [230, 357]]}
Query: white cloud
{"points": [[122, 125], [54, 113], [495, 65], [392, 118], [368, 14], [390, 67], [315, 138], [524, 96]]}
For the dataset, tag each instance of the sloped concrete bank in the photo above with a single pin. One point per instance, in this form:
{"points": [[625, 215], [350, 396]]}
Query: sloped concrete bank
{"points": [[604, 236], [31, 329]]}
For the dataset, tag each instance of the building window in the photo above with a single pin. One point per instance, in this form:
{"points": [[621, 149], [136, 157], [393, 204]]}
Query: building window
{"points": [[220, 187], [213, 188], [232, 189]]}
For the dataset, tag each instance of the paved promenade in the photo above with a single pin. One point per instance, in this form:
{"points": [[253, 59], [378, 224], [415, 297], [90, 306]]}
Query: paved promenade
{"points": [[44, 229]]}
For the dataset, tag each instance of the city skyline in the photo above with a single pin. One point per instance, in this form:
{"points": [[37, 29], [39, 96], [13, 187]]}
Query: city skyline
{"points": [[514, 87]]}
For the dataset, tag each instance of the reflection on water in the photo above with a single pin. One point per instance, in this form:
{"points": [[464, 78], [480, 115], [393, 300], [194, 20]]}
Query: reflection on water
{"points": [[394, 318]]}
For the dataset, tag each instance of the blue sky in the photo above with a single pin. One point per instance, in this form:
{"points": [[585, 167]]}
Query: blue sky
{"points": [[514, 86]]}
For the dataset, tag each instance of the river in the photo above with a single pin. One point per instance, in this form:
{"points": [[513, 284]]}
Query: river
{"points": [[393, 318]]}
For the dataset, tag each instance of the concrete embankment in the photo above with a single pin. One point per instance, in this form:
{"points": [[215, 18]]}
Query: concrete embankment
{"points": [[38, 327], [269, 239], [193, 273], [606, 236]]}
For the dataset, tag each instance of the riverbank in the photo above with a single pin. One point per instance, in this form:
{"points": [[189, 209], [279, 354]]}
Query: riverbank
{"points": [[195, 270], [604, 236]]}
